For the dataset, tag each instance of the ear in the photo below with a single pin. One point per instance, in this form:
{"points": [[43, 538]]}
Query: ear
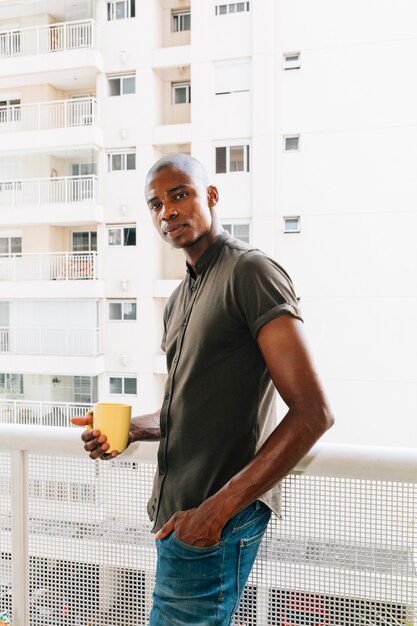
{"points": [[212, 196]]}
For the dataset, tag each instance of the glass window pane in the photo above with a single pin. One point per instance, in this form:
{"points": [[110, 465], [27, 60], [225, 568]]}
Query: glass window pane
{"points": [[186, 22], [131, 161], [222, 9], [236, 159], [116, 162], [121, 8], [115, 385], [180, 95], [241, 231], [132, 8], [129, 310], [80, 242], [291, 143], [232, 8], [130, 385], [240, 7], [115, 310], [129, 84], [221, 160], [129, 236], [228, 227], [291, 224], [93, 244], [4, 245], [114, 86], [115, 237], [175, 21]]}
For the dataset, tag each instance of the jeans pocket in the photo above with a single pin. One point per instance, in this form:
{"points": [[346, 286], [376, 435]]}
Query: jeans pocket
{"points": [[187, 546], [253, 515]]}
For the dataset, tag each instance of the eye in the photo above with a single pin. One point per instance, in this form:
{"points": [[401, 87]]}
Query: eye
{"points": [[180, 195], [156, 206]]}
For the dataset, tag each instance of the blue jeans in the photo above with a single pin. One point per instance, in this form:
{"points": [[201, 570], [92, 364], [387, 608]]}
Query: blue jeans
{"points": [[202, 586]]}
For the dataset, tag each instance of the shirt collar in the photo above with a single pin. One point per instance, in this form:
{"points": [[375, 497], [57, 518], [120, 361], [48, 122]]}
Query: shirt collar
{"points": [[212, 251]]}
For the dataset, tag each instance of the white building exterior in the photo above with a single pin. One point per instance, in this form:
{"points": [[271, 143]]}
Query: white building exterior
{"points": [[305, 117]]}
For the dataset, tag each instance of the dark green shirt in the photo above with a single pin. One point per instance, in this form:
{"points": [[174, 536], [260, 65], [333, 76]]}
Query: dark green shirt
{"points": [[219, 404]]}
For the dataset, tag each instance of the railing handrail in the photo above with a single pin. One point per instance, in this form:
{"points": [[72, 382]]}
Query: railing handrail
{"points": [[47, 254], [49, 402], [51, 178], [47, 26], [48, 328], [48, 102], [324, 459]]}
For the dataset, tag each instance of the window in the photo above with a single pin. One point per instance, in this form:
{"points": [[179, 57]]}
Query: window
{"points": [[232, 159], [181, 20], [292, 61], [11, 384], [121, 161], [83, 169], [84, 389], [121, 235], [291, 224], [232, 77], [181, 93], [239, 231], [9, 111], [123, 385], [122, 85], [120, 9], [10, 245], [122, 310], [232, 7], [291, 143], [84, 241]]}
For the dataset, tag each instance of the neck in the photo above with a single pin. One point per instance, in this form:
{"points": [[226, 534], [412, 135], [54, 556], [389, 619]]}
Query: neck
{"points": [[194, 252]]}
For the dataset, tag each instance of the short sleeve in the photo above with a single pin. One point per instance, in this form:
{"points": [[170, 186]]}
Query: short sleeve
{"points": [[263, 291]]}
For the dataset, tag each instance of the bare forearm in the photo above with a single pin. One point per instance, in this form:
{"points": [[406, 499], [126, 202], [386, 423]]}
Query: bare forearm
{"points": [[281, 452], [146, 427]]}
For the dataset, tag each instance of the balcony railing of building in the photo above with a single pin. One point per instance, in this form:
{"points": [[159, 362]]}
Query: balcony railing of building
{"points": [[50, 341], [44, 115], [40, 413], [61, 189], [49, 266], [343, 554], [48, 38]]}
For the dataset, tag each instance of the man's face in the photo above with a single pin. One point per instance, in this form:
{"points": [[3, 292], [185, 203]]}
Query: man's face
{"points": [[179, 206]]}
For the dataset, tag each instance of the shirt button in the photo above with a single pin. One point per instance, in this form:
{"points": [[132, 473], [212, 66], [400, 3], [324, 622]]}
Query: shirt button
{"points": [[176, 359], [167, 396], [184, 323], [161, 471], [192, 288]]}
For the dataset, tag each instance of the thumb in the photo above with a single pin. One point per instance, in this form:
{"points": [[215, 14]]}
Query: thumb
{"points": [[86, 420], [166, 529]]}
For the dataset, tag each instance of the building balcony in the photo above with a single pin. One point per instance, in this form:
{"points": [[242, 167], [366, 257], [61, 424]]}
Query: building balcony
{"points": [[59, 46], [80, 194], [53, 274], [50, 341], [344, 552], [48, 124], [14, 411]]}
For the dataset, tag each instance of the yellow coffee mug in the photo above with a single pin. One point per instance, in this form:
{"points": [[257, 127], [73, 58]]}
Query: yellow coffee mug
{"points": [[113, 421]]}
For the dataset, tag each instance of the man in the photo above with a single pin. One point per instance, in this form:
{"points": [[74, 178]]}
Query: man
{"points": [[232, 334]]}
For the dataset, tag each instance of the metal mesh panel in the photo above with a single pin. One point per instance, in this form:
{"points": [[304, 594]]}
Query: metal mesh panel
{"points": [[5, 537], [92, 557], [344, 554]]}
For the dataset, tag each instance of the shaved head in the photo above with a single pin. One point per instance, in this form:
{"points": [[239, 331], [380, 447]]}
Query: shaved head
{"points": [[182, 162]]}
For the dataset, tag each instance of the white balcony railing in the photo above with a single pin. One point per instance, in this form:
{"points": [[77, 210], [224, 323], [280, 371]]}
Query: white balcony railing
{"points": [[48, 115], [344, 553], [51, 266], [62, 189], [31, 412], [48, 38], [50, 341]]}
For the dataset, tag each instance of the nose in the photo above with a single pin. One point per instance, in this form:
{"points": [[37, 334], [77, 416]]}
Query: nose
{"points": [[168, 213]]}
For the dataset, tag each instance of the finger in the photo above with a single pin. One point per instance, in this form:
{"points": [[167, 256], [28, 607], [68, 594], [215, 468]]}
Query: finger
{"points": [[166, 529], [85, 420], [94, 441]]}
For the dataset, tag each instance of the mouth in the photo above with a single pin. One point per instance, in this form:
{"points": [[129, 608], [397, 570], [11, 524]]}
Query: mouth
{"points": [[173, 231]]}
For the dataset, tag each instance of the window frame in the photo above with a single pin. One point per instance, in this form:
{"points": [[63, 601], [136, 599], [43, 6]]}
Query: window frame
{"points": [[232, 63], [246, 158], [182, 85], [237, 222], [121, 78], [90, 243], [9, 245], [287, 65], [294, 136], [177, 15], [122, 377], [292, 231], [246, 8], [123, 154], [112, 9], [122, 228], [122, 302]]}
